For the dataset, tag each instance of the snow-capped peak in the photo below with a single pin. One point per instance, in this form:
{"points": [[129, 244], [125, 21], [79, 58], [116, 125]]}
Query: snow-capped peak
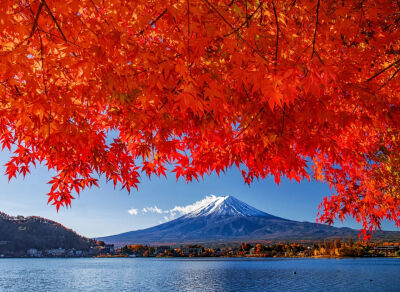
{"points": [[224, 206]]}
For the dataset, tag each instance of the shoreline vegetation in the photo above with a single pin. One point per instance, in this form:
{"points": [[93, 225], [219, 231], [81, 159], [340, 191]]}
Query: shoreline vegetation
{"points": [[324, 249], [250, 257]]}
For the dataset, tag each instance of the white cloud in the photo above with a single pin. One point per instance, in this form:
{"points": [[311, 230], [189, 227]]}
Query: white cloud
{"points": [[133, 211], [154, 209], [182, 210]]}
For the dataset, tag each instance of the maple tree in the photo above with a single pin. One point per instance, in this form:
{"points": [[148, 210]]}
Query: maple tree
{"points": [[273, 87]]}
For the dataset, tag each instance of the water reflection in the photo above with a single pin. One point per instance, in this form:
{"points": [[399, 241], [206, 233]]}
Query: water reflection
{"points": [[141, 274]]}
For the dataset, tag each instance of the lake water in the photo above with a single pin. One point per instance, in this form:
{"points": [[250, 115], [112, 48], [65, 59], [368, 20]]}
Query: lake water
{"points": [[212, 274]]}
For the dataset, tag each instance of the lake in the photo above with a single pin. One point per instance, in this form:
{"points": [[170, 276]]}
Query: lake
{"points": [[208, 274]]}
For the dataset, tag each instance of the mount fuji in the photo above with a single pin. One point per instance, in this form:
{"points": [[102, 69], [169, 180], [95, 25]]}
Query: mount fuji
{"points": [[227, 219]]}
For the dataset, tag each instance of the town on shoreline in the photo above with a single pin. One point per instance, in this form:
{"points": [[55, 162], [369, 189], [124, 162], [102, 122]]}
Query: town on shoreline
{"points": [[326, 248]]}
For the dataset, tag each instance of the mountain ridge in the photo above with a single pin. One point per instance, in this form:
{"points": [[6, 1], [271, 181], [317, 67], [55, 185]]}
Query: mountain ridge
{"points": [[227, 219], [226, 206], [19, 233]]}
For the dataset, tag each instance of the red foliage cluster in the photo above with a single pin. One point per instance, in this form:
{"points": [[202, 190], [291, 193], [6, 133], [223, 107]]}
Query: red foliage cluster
{"points": [[273, 87]]}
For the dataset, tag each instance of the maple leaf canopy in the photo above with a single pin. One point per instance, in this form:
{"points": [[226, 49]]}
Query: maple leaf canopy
{"points": [[298, 89]]}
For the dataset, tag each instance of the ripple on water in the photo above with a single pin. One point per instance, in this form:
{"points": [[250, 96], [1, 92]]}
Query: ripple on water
{"points": [[215, 274]]}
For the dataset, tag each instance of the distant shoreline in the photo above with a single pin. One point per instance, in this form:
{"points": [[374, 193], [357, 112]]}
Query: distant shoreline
{"points": [[211, 257]]}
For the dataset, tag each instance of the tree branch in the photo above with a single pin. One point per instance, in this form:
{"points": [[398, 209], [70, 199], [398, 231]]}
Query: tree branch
{"points": [[153, 22], [383, 70], [252, 120], [35, 22], [315, 31], [318, 56], [390, 78], [244, 23], [233, 28], [245, 91], [247, 16], [277, 35], [188, 37], [98, 12], [42, 64], [7, 87], [44, 81], [55, 20]]}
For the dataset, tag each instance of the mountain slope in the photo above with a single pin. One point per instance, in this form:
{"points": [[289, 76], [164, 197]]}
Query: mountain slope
{"points": [[228, 219], [18, 234]]}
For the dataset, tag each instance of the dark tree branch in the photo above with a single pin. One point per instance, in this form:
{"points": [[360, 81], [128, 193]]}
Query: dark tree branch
{"points": [[188, 37], [319, 58], [34, 26], [252, 120], [233, 28], [277, 35], [35, 22], [315, 31], [360, 5], [44, 80], [394, 74], [247, 16], [88, 28], [153, 22], [383, 70], [17, 90], [7, 87], [245, 91], [55, 20], [52, 35], [236, 30], [42, 63], [98, 12], [390, 78]]}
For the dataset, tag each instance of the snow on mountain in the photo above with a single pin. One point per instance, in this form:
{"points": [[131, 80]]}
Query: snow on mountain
{"points": [[227, 219], [224, 206]]}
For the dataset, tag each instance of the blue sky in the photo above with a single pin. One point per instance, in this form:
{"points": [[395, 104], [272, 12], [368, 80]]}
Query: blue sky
{"points": [[105, 211]]}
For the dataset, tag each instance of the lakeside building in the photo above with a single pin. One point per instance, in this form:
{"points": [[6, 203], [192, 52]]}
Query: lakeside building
{"points": [[102, 250], [56, 252], [192, 250], [387, 250], [197, 251], [108, 249], [33, 252], [59, 252], [80, 253], [326, 248], [332, 248]]}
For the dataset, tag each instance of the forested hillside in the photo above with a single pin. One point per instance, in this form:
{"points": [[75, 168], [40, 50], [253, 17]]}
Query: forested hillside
{"points": [[18, 234]]}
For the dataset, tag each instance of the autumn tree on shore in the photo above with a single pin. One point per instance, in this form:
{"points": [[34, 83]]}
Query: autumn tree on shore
{"points": [[271, 87]]}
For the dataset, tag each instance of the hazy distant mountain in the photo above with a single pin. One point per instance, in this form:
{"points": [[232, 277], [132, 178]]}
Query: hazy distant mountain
{"points": [[18, 234], [227, 219]]}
